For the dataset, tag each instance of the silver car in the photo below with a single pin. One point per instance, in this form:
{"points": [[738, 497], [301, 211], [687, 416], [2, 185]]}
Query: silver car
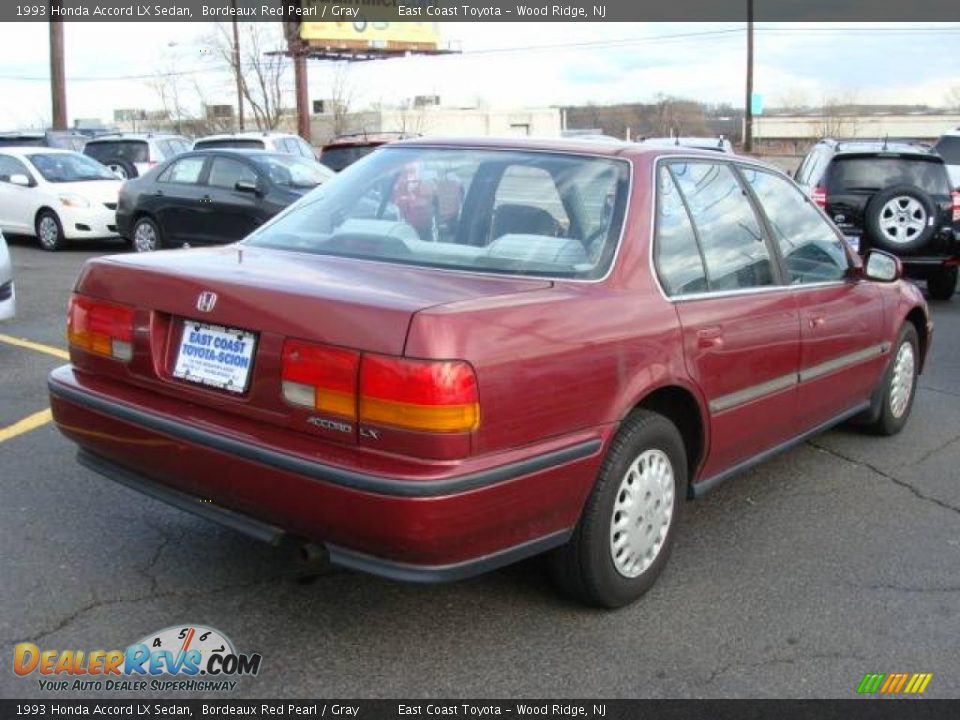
{"points": [[8, 299]]}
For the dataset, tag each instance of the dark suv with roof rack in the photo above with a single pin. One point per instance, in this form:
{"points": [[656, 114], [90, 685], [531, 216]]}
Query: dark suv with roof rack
{"points": [[895, 196]]}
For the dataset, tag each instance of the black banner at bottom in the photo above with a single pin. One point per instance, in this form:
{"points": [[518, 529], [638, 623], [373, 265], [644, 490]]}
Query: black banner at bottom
{"points": [[859, 709]]}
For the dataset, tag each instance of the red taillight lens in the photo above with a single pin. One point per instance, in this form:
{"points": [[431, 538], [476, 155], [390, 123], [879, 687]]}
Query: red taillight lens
{"points": [[432, 396], [320, 377], [956, 206], [100, 327], [819, 197]]}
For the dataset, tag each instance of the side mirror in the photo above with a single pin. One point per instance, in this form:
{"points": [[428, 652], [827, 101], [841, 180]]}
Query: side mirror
{"points": [[20, 179], [883, 267], [246, 186]]}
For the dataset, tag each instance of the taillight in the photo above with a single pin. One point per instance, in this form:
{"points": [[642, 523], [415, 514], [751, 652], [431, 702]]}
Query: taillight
{"points": [[100, 327], [819, 197], [431, 396], [956, 206], [320, 377]]}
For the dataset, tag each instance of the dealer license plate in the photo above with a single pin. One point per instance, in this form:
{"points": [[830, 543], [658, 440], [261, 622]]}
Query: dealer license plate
{"points": [[214, 355]]}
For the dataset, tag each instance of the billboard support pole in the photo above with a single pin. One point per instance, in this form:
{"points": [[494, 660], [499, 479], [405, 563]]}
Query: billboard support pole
{"points": [[303, 96]]}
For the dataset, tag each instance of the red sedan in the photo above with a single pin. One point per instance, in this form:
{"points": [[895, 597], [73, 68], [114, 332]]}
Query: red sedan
{"points": [[601, 331]]}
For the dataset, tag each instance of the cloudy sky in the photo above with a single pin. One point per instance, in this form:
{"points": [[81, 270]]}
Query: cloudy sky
{"points": [[109, 65]]}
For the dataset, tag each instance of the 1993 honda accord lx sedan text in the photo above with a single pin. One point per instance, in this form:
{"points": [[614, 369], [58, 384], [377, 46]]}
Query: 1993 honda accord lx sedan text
{"points": [[594, 333]]}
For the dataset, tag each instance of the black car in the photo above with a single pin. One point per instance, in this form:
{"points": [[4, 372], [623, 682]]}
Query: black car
{"points": [[895, 196], [212, 196]]}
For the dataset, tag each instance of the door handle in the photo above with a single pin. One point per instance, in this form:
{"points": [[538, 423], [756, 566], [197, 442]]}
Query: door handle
{"points": [[710, 337], [816, 321]]}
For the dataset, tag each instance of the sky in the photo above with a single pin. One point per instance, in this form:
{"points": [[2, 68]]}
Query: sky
{"points": [[109, 65]]}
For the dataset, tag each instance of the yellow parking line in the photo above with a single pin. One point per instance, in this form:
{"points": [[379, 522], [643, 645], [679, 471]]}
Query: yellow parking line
{"points": [[26, 425], [39, 347]]}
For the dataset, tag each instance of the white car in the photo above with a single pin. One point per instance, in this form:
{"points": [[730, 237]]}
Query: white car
{"points": [[259, 140], [8, 297], [717, 144], [56, 196]]}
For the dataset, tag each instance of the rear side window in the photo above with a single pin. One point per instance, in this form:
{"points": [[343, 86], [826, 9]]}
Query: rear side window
{"points": [[811, 249], [870, 174], [186, 171], [948, 147], [676, 253], [733, 245], [135, 151]]}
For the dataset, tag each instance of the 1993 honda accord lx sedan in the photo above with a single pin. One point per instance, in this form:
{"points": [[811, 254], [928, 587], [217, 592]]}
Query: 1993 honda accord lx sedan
{"points": [[592, 334]]}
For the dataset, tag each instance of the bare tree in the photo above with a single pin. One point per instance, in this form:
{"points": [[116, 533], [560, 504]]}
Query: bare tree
{"points": [[342, 91], [953, 98], [838, 116], [262, 68]]}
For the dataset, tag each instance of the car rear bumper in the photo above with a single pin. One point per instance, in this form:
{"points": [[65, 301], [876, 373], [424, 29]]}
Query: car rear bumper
{"points": [[453, 521]]}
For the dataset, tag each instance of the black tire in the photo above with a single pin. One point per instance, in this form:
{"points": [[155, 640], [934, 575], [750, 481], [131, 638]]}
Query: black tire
{"points": [[874, 219], [942, 283], [125, 169], [882, 419], [50, 231], [147, 226], [585, 567]]}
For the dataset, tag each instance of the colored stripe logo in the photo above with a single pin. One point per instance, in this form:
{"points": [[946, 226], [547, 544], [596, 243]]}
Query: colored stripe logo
{"points": [[894, 683]]}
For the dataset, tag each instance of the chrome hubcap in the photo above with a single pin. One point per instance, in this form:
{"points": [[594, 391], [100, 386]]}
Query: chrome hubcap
{"points": [[144, 238], [901, 384], [902, 219], [642, 513], [48, 232]]}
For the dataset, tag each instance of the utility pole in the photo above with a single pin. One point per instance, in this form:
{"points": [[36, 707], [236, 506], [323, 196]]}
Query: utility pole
{"points": [[748, 110], [237, 69], [58, 83], [303, 97]]}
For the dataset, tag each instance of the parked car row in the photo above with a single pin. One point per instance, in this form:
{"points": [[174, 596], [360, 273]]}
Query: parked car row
{"points": [[193, 197], [592, 334]]}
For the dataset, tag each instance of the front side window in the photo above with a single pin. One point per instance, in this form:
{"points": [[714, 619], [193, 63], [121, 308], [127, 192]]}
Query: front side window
{"points": [[443, 207], [811, 249], [733, 245], [186, 171], [293, 172], [676, 253], [69, 167], [226, 173], [10, 166]]}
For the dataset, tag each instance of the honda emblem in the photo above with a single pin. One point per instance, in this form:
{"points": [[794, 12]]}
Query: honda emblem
{"points": [[206, 301]]}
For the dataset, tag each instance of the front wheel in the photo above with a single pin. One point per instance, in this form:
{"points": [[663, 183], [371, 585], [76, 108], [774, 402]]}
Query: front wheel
{"points": [[626, 532], [894, 399], [942, 283], [50, 231]]}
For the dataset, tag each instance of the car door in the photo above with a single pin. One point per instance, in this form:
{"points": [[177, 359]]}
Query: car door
{"points": [[740, 326], [841, 317], [232, 214], [176, 200], [18, 204]]}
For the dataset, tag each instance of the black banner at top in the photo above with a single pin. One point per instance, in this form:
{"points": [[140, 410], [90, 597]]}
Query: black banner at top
{"points": [[367, 11]]}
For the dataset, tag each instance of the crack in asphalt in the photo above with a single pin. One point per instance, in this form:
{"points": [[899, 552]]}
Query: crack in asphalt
{"points": [[78, 612], [895, 480], [727, 667], [910, 588]]}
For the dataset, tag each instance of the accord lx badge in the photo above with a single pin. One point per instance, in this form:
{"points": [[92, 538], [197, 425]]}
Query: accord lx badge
{"points": [[206, 301]]}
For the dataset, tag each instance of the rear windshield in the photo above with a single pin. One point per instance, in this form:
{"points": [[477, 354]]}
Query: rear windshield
{"points": [[135, 151], [29, 141], [949, 149], [869, 174], [228, 143], [337, 158], [510, 212]]}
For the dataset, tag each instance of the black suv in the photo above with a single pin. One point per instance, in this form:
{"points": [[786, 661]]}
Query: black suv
{"points": [[895, 196]]}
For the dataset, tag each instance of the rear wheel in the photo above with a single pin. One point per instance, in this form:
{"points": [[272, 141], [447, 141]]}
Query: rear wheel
{"points": [[942, 283], [626, 532], [146, 236], [894, 398], [50, 231]]}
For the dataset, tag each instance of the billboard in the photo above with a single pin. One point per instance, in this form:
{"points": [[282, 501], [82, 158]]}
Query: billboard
{"points": [[362, 35]]}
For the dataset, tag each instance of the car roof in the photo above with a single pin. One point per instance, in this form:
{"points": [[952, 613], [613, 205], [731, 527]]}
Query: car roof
{"points": [[250, 134], [23, 150], [116, 137], [878, 147], [242, 152]]}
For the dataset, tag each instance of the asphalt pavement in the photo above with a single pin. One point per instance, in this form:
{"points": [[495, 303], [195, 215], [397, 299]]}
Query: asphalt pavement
{"points": [[839, 558]]}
